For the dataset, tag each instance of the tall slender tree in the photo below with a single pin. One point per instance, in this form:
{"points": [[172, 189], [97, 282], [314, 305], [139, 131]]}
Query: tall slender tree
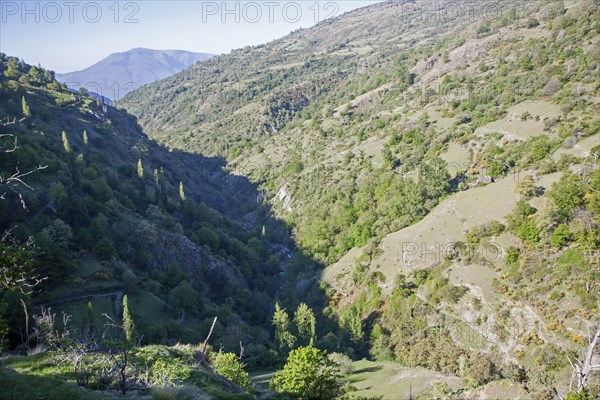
{"points": [[128, 322], [66, 143], [284, 340], [305, 321], [26, 109]]}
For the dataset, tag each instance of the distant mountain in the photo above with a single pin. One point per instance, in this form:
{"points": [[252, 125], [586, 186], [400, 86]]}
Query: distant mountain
{"points": [[121, 73]]}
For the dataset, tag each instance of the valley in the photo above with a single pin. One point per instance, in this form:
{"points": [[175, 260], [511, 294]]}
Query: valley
{"points": [[385, 205]]}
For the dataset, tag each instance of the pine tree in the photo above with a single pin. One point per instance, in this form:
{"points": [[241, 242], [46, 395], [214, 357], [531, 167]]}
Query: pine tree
{"points": [[181, 192], [66, 144], [26, 110], [128, 322], [85, 137]]}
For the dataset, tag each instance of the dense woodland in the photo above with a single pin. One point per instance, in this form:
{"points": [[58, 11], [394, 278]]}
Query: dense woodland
{"points": [[171, 264]]}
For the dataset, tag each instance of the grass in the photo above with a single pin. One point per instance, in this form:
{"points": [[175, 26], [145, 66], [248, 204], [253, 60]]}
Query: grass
{"points": [[457, 158], [16, 386], [580, 149], [393, 381], [39, 377]]}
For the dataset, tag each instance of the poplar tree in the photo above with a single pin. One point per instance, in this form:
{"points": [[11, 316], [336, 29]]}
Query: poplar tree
{"points": [[26, 109], [128, 322]]}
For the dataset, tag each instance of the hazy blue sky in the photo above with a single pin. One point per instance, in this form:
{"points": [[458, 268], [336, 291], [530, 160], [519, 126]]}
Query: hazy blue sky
{"points": [[68, 35]]}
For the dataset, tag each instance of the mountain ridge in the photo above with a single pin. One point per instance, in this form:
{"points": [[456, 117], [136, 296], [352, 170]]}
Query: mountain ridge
{"points": [[119, 73]]}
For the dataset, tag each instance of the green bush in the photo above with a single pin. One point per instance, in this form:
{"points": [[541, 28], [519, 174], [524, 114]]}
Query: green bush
{"points": [[230, 366], [308, 374]]}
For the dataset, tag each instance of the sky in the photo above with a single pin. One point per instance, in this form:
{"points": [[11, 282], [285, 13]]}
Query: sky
{"points": [[66, 35]]}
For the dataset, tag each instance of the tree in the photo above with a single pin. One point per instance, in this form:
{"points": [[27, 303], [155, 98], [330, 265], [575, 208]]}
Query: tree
{"points": [[304, 318], [434, 177], [15, 180], [526, 187], [128, 322], [284, 340], [560, 236], [26, 109], [232, 368], [568, 194], [17, 265], [307, 374], [584, 368], [185, 298], [90, 321], [140, 169], [85, 137], [181, 192], [66, 143]]}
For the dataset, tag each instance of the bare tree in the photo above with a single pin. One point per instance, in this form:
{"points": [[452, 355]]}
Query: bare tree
{"points": [[15, 271], [119, 351], [583, 369], [15, 265], [14, 181]]}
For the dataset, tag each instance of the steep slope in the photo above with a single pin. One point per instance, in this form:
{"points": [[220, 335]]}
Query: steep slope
{"points": [[357, 128], [114, 213], [120, 73]]}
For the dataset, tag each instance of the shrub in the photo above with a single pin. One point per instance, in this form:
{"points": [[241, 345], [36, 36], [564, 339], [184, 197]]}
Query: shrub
{"points": [[229, 366], [308, 374], [343, 362]]}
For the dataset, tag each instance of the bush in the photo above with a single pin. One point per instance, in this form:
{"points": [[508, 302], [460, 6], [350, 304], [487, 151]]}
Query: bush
{"points": [[343, 362], [560, 236], [480, 371], [229, 366], [308, 374], [168, 372]]}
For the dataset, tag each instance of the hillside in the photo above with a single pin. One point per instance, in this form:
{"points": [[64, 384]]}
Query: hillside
{"points": [[442, 171], [107, 213], [120, 73]]}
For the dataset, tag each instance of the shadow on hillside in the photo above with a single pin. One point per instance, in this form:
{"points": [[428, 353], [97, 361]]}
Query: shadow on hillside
{"points": [[207, 180], [368, 369]]}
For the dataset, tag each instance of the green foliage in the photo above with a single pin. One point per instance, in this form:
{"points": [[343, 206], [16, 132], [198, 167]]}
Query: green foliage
{"points": [[305, 322], [230, 366], [25, 107], [16, 264], [66, 144], [284, 339], [526, 187], [342, 361], [185, 298], [128, 323], [307, 374], [140, 169], [560, 236], [480, 370], [17, 386], [567, 194], [185, 392], [583, 394], [181, 192], [168, 371]]}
